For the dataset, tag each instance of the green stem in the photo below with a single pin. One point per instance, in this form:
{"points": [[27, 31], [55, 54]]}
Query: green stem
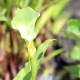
{"points": [[32, 68]]}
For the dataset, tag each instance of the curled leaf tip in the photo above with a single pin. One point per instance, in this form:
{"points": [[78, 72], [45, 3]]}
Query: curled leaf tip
{"points": [[53, 39]]}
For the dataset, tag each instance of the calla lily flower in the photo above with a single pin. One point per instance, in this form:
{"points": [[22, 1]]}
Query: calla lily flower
{"points": [[24, 21]]}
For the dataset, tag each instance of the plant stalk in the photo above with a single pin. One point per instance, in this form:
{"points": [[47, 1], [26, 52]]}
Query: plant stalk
{"points": [[32, 68]]}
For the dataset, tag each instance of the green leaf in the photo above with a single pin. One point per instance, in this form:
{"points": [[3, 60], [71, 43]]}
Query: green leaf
{"points": [[53, 54], [51, 10], [59, 8], [74, 26], [71, 35], [73, 30], [24, 3], [3, 12], [3, 18], [58, 24], [45, 17], [75, 53], [38, 5], [25, 73], [73, 69], [40, 53], [24, 21]]}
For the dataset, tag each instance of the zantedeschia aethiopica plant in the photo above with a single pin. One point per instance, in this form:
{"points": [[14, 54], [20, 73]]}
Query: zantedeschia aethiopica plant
{"points": [[24, 21]]}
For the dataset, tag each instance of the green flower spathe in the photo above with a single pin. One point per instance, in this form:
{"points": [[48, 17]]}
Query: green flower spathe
{"points": [[24, 21]]}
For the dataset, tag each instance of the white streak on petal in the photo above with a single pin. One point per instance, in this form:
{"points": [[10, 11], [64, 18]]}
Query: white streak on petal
{"points": [[23, 31]]}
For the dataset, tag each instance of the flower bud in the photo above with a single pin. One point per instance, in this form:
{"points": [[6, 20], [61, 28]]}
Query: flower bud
{"points": [[31, 50]]}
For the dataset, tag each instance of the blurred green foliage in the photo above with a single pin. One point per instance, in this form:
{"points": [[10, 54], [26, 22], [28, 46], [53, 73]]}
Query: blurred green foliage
{"points": [[74, 69], [73, 32], [75, 53], [51, 55], [47, 8], [51, 12]]}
